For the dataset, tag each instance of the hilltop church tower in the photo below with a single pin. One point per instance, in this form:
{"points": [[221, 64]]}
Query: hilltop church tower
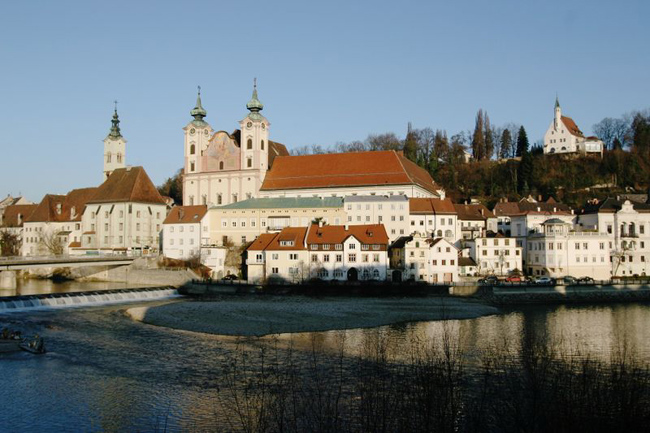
{"points": [[114, 147]]}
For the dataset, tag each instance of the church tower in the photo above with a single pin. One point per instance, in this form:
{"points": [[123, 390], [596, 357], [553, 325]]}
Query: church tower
{"points": [[114, 147], [255, 137], [197, 136], [558, 114]]}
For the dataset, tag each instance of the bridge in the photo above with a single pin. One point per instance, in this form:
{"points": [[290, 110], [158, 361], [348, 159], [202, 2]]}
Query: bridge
{"points": [[10, 264]]}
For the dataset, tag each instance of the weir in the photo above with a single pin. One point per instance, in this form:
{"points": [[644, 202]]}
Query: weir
{"points": [[11, 304]]}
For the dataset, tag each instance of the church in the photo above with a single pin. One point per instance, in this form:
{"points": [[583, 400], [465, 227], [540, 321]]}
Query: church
{"points": [[223, 168], [564, 136]]}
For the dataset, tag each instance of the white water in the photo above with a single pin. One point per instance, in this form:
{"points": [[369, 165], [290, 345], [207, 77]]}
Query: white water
{"points": [[75, 300]]}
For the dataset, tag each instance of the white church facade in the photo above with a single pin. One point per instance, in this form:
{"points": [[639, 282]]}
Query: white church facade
{"points": [[564, 136]]}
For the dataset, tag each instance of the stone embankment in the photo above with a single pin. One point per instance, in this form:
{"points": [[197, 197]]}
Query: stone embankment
{"points": [[569, 294]]}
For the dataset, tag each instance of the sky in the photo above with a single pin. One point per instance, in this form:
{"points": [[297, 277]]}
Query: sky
{"points": [[327, 72]]}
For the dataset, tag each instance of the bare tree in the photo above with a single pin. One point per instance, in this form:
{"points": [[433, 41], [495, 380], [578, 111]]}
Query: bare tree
{"points": [[610, 129], [52, 243]]}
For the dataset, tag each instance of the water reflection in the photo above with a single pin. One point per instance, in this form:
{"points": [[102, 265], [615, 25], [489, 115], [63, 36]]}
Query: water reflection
{"points": [[107, 373], [597, 331]]}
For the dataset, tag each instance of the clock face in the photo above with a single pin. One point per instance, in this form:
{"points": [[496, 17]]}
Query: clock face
{"points": [[249, 124], [192, 131], [263, 126], [206, 132]]}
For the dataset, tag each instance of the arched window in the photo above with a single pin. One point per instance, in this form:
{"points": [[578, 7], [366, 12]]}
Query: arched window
{"points": [[192, 150], [119, 157], [220, 165], [108, 157], [218, 198], [262, 145], [375, 273], [249, 143], [448, 234], [439, 233]]}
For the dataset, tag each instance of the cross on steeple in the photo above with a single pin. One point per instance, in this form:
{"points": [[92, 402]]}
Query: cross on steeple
{"points": [[115, 102]]}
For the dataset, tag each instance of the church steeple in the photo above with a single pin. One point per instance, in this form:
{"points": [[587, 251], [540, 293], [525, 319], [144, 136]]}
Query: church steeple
{"points": [[198, 112], [557, 102], [254, 105], [115, 129]]}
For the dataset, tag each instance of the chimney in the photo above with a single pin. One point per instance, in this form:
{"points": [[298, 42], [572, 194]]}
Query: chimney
{"points": [[320, 223], [347, 227]]}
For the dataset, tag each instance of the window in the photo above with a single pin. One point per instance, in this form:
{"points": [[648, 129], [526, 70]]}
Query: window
{"points": [[326, 258], [249, 144], [218, 198], [262, 145], [352, 257], [314, 258], [274, 270], [274, 256], [108, 157], [339, 258], [375, 258], [364, 258], [192, 166], [221, 168], [293, 256], [249, 162], [192, 150], [352, 246], [121, 214], [243, 239]]}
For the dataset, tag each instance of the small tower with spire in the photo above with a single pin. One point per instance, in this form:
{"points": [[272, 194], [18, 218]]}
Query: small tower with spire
{"points": [[255, 136], [114, 147], [197, 136], [558, 113]]}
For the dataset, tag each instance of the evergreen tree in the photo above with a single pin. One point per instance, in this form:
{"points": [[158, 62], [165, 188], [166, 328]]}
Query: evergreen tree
{"points": [[641, 135], [411, 145], [525, 174], [506, 144], [488, 134], [522, 142], [478, 138]]}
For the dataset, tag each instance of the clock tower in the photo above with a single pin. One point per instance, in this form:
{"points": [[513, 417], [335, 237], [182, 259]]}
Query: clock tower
{"points": [[255, 137], [114, 147]]}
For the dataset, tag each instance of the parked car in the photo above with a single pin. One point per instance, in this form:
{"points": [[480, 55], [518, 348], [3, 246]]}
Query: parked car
{"points": [[545, 281], [489, 280], [585, 280], [230, 277], [514, 279], [569, 280]]}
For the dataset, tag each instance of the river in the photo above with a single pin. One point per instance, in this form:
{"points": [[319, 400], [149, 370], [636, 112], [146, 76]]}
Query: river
{"points": [[105, 372]]}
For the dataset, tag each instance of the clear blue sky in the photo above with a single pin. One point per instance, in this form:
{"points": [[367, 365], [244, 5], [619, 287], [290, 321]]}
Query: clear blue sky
{"points": [[327, 72]]}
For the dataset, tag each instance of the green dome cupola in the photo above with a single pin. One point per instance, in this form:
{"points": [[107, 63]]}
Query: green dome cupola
{"points": [[198, 112], [254, 105], [115, 132]]}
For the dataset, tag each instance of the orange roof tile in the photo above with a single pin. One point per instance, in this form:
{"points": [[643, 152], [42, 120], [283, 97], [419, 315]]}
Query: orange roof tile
{"points": [[186, 214], [130, 184], [11, 213], [571, 126], [262, 242], [295, 234], [346, 169], [474, 211], [366, 234], [59, 208], [430, 206]]}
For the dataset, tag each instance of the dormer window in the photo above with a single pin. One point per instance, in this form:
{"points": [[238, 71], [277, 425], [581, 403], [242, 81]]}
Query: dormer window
{"points": [[58, 208]]}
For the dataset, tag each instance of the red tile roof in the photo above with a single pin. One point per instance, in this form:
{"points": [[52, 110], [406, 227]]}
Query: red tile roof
{"points": [[524, 207], [366, 234], [186, 214], [11, 213], [62, 208], [262, 242], [571, 126], [430, 206], [130, 184], [473, 212], [295, 234], [346, 169]]}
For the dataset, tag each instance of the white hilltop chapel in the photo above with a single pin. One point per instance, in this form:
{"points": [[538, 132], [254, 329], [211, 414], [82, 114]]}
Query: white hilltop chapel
{"points": [[564, 136]]}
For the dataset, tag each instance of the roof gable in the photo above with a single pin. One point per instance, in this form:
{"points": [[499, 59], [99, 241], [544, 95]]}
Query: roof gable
{"points": [[130, 184], [10, 216], [186, 214], [572, 127], [365, 234]]}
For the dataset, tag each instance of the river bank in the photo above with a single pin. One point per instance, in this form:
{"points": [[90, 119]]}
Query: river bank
{"points": [[259, 316]]}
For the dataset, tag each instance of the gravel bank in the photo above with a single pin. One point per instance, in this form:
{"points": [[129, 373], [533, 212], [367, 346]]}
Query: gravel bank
{"points": [[262, 316]]}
